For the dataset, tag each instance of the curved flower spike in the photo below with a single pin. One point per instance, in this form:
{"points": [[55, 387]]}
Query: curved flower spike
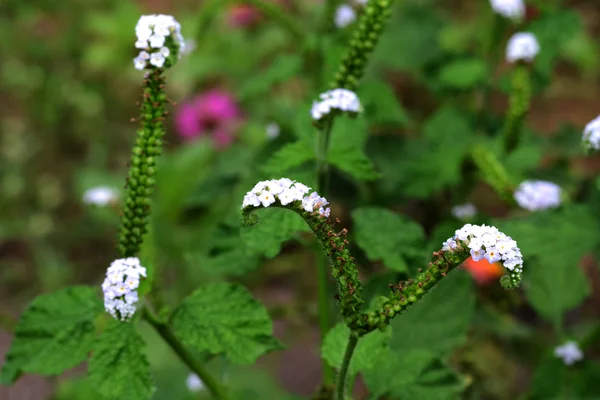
{"points": [[476, 241], [160, 41], [298, 197]]}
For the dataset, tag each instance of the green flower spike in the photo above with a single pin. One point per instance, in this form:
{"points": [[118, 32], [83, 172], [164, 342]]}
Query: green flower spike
{"points": [[518, 108], [297, 197], [365, 37], [160, 35], [493, 172]]}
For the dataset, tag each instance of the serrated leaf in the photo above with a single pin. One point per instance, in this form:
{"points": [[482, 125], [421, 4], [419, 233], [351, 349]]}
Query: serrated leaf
{"points": [[439, 321], [448, 136], [553, 242], [283, 68], [381, 104], [366, 353], [289, 156], [392, 238], [463, 74], [119, 368], [395, 370], [275, 226], [346, 150], [225, 318], [55, 333], [437, 382]]}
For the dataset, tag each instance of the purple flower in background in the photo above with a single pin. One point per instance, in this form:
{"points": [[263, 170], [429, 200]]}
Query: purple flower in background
{"points": [[214, 112]]}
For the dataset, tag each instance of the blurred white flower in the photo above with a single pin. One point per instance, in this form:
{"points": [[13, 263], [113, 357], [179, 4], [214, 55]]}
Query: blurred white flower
{"points": [[272, 130], [522, 46], [569, 352], [344, 16], [538, 195], [194, 383], [120, 287], [340, 99], [101, 195], [464, 211], [513, 9], [591, 134]]}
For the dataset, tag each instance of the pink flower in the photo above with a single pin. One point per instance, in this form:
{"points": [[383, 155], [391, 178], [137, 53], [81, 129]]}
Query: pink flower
{"points": [[243, 15], [214, 112]]}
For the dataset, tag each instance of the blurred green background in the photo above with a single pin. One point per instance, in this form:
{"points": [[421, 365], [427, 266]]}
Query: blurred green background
{"points": [[68, 91]]}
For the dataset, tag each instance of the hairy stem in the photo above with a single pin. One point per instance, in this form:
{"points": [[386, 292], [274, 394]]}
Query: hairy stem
{"points": [[343, 374], [518, 107], [167, 334], [323, 307]]}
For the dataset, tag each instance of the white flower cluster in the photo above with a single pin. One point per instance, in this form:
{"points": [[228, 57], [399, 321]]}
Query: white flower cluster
{"points": [[513, 9], [538, 195], [344, 16], [286, 191], [273, 130], [341, 99], [101, 195], [569, 352], [591, 134], [120, 287], [522, 46], [464, 211], [194, 383], [489, 243], [152, 32]]}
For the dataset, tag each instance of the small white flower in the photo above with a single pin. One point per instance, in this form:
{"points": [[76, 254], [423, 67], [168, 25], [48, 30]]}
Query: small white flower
{"points": [[513, 9], [569, 352], [538, 195], [272, 130], [464, 211], [344, 16], [488, 242], [194, 383], [266, 198], [101, 195], [156, 41], [157, 59], [285, 191], [591, 134], [340, 99], [141, 44], [165, 51], [119, 287], [522, 46]]}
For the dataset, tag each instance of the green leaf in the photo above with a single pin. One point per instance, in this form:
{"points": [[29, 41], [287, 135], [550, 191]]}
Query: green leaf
{"points": [[438, 322], [225, 318], [448, 136], [395, 370], [552, 244], [119, 368], [289, 156], [381, 104], [275, 226], [346, 150], [463, 74], [235, 261], [284, 67], [437, 382], [55, 333], [366, 353], [385, 236]]}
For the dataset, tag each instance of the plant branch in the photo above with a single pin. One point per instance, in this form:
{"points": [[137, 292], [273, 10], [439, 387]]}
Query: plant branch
{"points": [[343, 374], [167, 334], [278, 15]]}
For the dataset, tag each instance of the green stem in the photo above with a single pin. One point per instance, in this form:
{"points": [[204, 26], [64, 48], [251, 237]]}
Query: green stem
{"points": [[323, 140], [341, 382], [277, 14], [323, 305], [167, 334]]}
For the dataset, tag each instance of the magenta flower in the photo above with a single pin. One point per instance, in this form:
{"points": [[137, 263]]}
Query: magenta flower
{"points": [[243, 15], [214, 112]]}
